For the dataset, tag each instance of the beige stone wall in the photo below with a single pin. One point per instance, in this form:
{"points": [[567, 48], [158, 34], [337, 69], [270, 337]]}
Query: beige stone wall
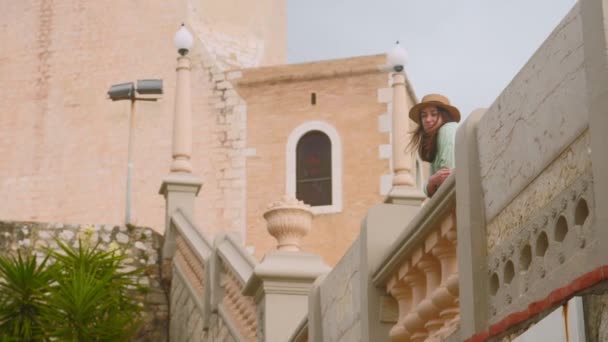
{"points": [[539, 114], [242, 33], [63, 145], [340, 297], [279, 100], [573, 163]]}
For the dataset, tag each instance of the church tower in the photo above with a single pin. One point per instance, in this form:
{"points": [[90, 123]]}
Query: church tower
{"points": [[63, 144]]}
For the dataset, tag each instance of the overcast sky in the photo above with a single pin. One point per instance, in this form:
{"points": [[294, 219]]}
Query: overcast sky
{"points": [[468, 50]]}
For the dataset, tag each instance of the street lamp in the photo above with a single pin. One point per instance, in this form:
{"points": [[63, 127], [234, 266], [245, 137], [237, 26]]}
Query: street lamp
{"points": [[402, 162], [397, 57], [183, 40], [182, 116], [151, 89], [180, 186]]}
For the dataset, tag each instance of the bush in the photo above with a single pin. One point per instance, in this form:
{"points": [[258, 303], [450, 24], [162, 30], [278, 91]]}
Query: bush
{"points": [[24, 288], [85, 295]]}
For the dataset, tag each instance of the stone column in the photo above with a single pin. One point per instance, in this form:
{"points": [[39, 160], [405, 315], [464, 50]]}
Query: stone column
{"points": [[182, 119], [280, 284], [180, 187], [471, 230], [404, 190]]}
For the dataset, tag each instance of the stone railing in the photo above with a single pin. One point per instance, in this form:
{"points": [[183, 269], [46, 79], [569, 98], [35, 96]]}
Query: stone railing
{"points": [[531, 186], [186, 257], [420, 272], [219, 292], [235, 267], [207, 281]]}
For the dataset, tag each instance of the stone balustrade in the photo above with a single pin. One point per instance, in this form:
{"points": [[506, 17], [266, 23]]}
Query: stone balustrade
{"points": [[207, 280], [187, 255], [236, 267], [191, 265], [421, 272]]}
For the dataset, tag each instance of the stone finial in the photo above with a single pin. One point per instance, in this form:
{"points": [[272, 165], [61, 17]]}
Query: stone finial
{"points": [[288, 221]]}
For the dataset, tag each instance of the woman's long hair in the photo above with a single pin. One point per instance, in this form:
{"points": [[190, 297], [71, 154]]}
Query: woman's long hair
{"points": [[426, 143]]}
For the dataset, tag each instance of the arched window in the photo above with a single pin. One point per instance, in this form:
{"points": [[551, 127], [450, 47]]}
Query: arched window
{"points": [[314, 166], [313, 169]]}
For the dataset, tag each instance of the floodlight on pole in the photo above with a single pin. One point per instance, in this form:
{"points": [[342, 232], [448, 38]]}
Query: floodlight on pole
{"points": [[127, 91]]}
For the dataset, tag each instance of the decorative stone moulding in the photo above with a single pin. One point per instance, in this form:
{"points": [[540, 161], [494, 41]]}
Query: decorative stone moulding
{"points": [[547, 252], [288, 221]]}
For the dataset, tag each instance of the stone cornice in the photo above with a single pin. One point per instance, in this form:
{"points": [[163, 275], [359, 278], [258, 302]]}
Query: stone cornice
{"points": [[302, 72], [286, 272]]}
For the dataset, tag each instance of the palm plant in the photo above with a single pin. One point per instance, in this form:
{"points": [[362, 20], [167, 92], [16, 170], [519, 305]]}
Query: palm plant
{"points": [[93, 298], [24, 286], [85, 295]]}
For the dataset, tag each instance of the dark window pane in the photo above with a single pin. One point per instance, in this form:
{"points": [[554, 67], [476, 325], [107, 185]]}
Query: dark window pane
{"points": [[315, 192], [313, 169]]}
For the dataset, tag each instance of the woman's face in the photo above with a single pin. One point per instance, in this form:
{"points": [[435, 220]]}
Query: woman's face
{"points": [[430, 117]]}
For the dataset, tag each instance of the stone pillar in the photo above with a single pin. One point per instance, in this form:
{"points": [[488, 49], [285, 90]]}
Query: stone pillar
{"points": [[180, 187], [404, 190], [280, 284], [471, 230], [182, 118]]}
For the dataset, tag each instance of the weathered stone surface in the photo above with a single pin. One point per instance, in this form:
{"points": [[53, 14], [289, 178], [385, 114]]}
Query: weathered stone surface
{"points": [[573, 162], [596, 317], [543, 110], [549, 251], [340, 298]]}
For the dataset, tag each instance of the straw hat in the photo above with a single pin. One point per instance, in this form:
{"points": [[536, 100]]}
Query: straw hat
{"points": [[434, 100]]}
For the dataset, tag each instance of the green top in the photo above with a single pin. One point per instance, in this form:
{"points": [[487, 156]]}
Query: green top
{"points": [[445, 149]]}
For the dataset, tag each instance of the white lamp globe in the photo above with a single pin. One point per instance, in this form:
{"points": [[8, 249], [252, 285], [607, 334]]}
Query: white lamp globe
{"points": [[397, 57], [183, 40]]}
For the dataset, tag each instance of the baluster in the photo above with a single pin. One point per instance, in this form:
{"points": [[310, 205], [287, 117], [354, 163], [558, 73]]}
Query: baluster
{"points": [[403, 294], [427, 310], [450, 315], [444, 297], [412, 321]]}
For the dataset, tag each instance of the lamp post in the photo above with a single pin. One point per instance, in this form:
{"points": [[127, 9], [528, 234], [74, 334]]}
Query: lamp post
{"points": [[403, 189], [180, 187], [182, 119], [126, 91], [402, 162]]}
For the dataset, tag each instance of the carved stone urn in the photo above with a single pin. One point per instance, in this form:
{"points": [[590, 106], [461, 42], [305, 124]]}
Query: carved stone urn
{"points": [[288, 221]]}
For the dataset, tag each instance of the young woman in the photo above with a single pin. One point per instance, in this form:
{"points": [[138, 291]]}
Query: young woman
{"points": [[434, 137]]}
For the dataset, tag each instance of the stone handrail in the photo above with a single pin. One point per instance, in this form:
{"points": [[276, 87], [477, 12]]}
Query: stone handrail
{"points": [[187, 254], [190, 256], [420, 271], [236, 266], [212, 278]]}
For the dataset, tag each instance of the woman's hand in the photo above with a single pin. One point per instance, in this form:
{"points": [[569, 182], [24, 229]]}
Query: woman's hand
{"points": [[436, 180]]}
